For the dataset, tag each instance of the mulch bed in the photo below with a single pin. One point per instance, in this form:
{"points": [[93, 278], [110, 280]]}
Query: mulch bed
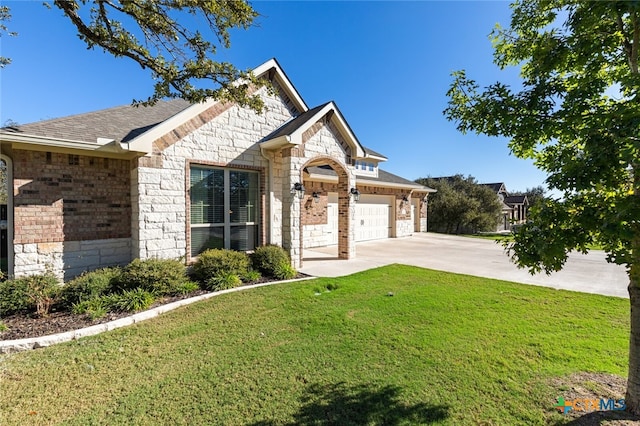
{"points": [[21, 326]]}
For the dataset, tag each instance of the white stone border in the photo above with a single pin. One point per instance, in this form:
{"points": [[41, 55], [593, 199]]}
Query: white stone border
{"points": [[19, 345]]}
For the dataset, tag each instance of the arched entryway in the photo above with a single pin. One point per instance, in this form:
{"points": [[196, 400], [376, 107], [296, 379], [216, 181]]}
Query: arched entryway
{"points": [[315, 204], [6, 215]]}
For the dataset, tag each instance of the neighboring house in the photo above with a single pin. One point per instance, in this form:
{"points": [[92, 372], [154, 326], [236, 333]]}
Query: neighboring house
{"points": [[514, 207], [170, 181]]}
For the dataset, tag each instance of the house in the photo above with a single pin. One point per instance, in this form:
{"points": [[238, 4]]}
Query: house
{"points": [[514, 207], [172, 180]]}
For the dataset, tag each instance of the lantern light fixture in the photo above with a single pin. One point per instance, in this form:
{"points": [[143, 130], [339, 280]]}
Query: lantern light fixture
{"points": [[298, 188], [355, 193]]}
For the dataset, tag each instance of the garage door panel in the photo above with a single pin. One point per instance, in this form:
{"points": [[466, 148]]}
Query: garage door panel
{"points": [[373, 217]]}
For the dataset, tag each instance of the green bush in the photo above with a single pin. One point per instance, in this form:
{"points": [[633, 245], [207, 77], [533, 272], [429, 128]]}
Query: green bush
{"points": [[251, 276], [273, 261], [33, 293], [132, 300], [186, 288], [284, 271], [218, 262], [157, 276], [93, 308], [43, 291], [13, 297], [222, 282], [89, 285], [3, 327]]}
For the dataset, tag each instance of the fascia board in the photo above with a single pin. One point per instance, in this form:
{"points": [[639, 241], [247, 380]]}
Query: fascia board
{"points": [[283, 81], [276, 143], [394, 185], [144, 142], [58, 143]]}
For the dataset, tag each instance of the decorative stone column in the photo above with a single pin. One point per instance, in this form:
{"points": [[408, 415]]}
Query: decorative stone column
{"points": [[291, 207], [346, 216]]}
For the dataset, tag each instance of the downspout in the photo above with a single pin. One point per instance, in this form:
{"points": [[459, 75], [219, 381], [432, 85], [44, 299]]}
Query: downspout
{"points": [[270, 191]]}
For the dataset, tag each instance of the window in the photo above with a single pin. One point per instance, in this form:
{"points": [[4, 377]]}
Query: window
{"points": [[224, 209], [371, 167]]}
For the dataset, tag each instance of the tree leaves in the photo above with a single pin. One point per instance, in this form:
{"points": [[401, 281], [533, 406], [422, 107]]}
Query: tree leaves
{"points": [[577, 116], [164, 37]]}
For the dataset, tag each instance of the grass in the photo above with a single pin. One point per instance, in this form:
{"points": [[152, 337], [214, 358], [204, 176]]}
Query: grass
{"points": [[395, 345]]}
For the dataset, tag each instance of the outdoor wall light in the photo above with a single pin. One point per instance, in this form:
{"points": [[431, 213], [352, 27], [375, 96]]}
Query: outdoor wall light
{"points": [[299, 189], [356, 194], [316, 197], [405, 198]]}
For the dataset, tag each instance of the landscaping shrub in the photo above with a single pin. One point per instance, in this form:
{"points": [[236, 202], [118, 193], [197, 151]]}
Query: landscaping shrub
{"points": [[93, 308], [3, 327], [89, 285], [13, 297], [284, 271], [34, 293], [186, 288], [157, 276], [42, 291], [251, 276], [132, 300], [273, 261], [219, 263], [222, 282]]}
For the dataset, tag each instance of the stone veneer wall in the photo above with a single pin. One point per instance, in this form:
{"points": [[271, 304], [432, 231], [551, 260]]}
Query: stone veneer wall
{"points": [[66, 202], [227, 136]]}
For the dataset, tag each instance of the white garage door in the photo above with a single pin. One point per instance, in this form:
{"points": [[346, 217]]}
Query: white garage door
{"points": [[373, 217]]}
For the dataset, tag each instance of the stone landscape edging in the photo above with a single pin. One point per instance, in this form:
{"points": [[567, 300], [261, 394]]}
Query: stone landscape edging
{"points": [[19, 345]]}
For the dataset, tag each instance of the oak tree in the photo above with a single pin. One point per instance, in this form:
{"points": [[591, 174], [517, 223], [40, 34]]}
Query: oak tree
{"points": [[461, 205], [577, 115], [175, 39]]}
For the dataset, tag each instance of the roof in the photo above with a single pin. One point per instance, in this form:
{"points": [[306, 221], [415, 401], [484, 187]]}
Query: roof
{"points": [[516, 199], [372, 153], [496, 187], [122, 123], [383, 177], [294, 124]]}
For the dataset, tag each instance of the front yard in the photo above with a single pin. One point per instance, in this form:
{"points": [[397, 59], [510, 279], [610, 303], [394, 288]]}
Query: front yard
{"points": [[394, 345]]}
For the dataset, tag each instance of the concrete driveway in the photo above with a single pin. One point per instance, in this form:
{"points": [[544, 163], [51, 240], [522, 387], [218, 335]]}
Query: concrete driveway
{"points": [[473, 256]]}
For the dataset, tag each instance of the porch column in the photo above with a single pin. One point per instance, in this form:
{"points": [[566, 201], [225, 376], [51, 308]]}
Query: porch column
{"points": [[346, 218], [291, 229]]}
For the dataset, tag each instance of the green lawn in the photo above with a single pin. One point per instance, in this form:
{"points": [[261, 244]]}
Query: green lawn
{"points": [[394, 345]]}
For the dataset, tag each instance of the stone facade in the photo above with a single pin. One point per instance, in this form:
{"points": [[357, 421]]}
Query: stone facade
{"points": [[71, 258], [226, 137]]}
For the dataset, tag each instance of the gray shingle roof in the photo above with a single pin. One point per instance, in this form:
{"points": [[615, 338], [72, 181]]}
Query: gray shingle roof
{"points": [[294, 124], [495, 187], [515, 199], [372, 152], [122, 123], [383, 176]]}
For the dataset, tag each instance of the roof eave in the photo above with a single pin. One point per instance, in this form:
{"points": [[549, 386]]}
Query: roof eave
{"points": [[102, 144], [279, 142]]}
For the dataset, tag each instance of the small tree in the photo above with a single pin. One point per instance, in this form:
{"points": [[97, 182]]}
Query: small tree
{"points": [[577, 115]]}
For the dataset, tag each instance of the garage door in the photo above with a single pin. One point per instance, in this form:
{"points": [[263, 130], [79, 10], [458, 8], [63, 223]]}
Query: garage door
{"points": [[373, 217]]}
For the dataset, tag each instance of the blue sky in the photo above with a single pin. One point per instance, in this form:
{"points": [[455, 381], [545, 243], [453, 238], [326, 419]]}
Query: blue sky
{"points": [[387, 65]]}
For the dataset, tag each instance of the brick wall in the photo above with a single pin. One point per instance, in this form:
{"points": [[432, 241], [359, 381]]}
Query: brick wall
{"points": [[65, 197]]}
